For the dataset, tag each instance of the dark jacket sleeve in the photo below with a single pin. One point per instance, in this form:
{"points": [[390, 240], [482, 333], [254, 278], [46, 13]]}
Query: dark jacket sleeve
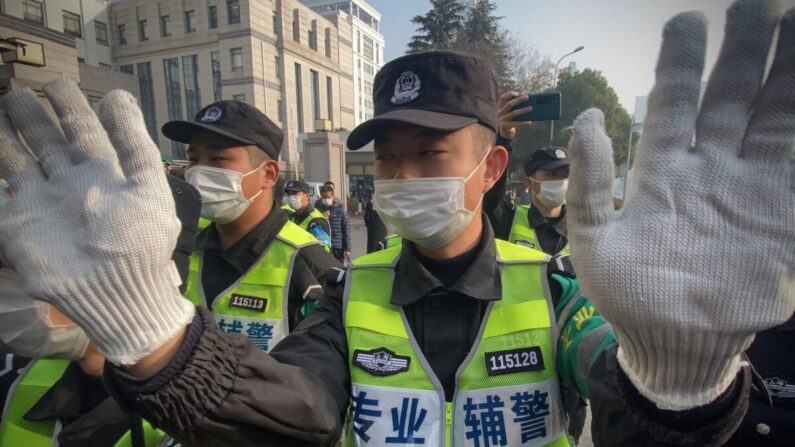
{"points": [[306, 279], [622, 417], [221, 390], [346, 232]]}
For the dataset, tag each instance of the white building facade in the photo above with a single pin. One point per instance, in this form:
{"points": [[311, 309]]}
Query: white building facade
{"points": [[368, 47]]}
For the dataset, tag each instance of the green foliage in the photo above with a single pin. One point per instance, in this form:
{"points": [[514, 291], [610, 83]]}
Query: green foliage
{"points": [[581, 91], [439, 27]]}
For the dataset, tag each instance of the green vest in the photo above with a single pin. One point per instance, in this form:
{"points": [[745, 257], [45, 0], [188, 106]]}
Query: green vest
{"points": [[507, 390], [315, 214], [256, 304], [522, 234], [40, 376]]}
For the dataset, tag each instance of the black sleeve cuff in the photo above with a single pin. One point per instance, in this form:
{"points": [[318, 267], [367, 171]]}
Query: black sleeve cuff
{"points": [[711, 424], [204, 349], [504, 142]]}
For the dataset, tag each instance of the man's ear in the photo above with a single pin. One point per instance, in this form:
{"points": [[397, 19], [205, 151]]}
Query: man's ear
{"points": [[496, 163], [269, 173]]}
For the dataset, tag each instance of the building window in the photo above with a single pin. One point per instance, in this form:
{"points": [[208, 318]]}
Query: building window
{"points": [[237, 58], [212, 14], [241, 98], [165, 22], [106, 66], [81, 60], [142, 30], [94, 101], [190, 21], [127, 69], [33, 11], [277, 67], [367, 46], [215, 59], [173, 99], [147, 89], [275, 22], [279, 112], [327, 43], [358, 41], [101, 31], [233, 11], [313, 36], [72, 24], [122, 37], [299, 97], [296, 26], [368, 88], [330, 98], [315, 95], [190, 74]]}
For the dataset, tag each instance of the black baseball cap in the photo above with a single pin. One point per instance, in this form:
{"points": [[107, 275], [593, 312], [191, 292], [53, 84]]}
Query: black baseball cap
{"points": [[546, 159], [296, 185], [440, 90], [233, 119]]}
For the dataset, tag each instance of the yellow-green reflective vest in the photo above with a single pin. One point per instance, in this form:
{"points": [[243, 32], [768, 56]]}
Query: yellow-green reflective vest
{"points": [[393, 240], [256, 304], [40, 376], [203, 223], [523, 235], [304, 224], [507, 390]]}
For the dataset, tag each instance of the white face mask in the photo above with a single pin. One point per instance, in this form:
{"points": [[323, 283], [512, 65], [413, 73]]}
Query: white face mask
{"points": [[553, 192], [327, 202], [222, 192], [294, 201], [427, 211]]}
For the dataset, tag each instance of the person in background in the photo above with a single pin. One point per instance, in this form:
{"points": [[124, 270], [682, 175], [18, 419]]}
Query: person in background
{"points": [[337, 201], [303, 214], [376, 230], [338, 221]]}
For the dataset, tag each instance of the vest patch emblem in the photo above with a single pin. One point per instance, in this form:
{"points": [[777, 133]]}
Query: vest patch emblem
{"points": [[525, 243], [514, 360], [381, 361], [248, 302]]}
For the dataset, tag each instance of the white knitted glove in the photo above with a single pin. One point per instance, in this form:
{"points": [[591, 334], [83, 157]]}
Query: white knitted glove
{"points": [[91, 226], [703, 254]]}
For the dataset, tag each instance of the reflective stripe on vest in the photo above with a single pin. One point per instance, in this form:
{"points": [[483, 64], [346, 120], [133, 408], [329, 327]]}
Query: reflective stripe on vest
{"points": [[522, 234], [315, 214], [256, 304], [507, 390], [15, 430], [152, 438]]}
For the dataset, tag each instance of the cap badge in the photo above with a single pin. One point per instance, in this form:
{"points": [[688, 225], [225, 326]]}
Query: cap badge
{"points": [[560, 154], [407, 88], [212, 115]]}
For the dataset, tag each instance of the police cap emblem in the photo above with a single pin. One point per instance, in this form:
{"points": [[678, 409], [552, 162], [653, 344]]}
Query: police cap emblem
{"points": [[560, 154], [407, 88], [212, 114], [381, 361]]}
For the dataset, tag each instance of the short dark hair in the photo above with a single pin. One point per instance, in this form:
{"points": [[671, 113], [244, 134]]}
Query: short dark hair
{"points": [[324, 189], [329, 183]]}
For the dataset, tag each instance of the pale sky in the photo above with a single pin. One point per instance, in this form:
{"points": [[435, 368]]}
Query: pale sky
{"points": [[621, 37]]}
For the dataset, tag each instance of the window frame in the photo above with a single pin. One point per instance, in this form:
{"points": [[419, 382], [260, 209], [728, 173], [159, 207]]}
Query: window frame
{"points": [[77, 19], [165, 25], [97, 33], [212, 16], [41, 18], [232, 52], [190, 21], [229, 15]]}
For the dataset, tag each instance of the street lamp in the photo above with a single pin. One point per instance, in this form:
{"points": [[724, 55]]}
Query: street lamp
{"points": [[552, 123]]}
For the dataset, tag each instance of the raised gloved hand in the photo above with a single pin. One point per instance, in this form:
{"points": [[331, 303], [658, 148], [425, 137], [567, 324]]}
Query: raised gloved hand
{"points": [[91, 225], [702, 256]]}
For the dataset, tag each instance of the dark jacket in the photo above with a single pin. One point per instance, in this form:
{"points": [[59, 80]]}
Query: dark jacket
{"points": [[340, 232], [376, 230], [221, 390]]}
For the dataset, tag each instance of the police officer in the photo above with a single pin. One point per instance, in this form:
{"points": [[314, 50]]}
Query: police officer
{"points": [[542, 224], [257, 271], [302, 213], [450, 338]]}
